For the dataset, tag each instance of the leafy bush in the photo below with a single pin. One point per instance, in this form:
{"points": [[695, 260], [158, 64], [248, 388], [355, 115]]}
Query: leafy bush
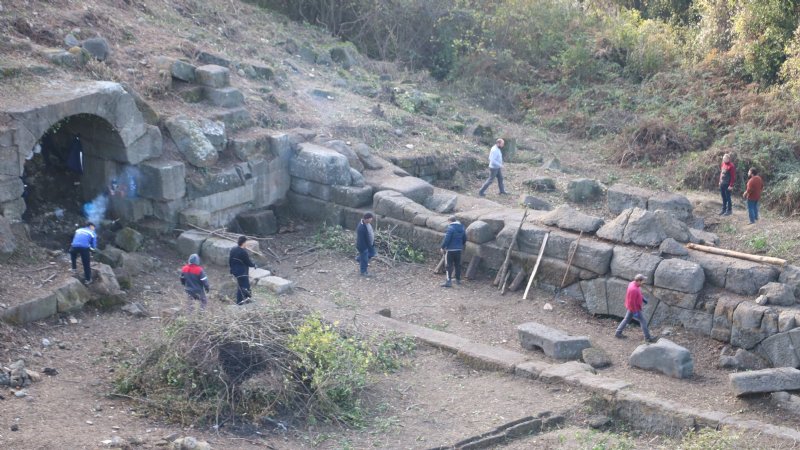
{"points": [[784, 194], [761, 30], [393, 247]]}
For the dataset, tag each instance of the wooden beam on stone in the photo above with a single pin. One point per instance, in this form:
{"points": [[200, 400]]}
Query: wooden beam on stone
{"points": [[735, 254], [472, 269], [502, 274], [518, 280]]}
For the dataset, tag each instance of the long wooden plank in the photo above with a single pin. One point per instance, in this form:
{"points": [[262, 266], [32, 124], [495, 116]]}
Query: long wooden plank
{"points": [[502, 274], [536, 266], [735, 254], [472, 269]]}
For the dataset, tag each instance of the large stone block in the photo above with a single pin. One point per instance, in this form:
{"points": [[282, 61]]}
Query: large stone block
{"points": [[584, 190], [777, 294], [621, 197], [414, 188], [715, 267], [553, 342], [593, 255], [348, 152], [310, 188], [191, 142], [32, 310], [766, 380], [162, 180], [352, 196], [128, 239], [790, 275], [11, 188], [781, 349], [71, 295], [272, 181], [390, 203], [664, 356], [677, 299], [169, 211], [479, 232], [677, 205], [220, 201], [594, 294], [628, 262], [319, 164], [131, 209], [183, 71], [213, 76], [216, 251], [568, 218], [190, 242], [315, 209], [680, 275], [746, 278], [257, 223], [747, 325], [228, 97]]}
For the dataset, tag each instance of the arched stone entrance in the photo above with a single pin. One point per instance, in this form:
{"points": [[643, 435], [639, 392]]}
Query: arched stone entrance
{"points": [[112, 130]]}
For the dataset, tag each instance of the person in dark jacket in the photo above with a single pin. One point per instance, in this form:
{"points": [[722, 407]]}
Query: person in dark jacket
{"points": [[195, 282], [84, 241], [240, 264], [455, 239], [365, 243]]}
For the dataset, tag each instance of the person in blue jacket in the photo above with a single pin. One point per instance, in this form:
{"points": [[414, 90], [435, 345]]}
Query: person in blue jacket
{"points": [[84, 241], [455, 239], [365, 243]]}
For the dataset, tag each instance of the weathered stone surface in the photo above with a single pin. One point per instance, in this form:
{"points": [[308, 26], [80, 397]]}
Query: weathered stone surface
{"points": [[777, 294], [787, 320], [672, 226], [679, 275], [627, 262], [621, 197], [162, 180], [351, 196], [596, 357], [213, 76], [653, 414], [615, 230], [212, 59], [441, 203], [746, 278], [742, 360], [584, 190], [535, 203], [594, 294], [664, 356], [553, 342], [128, 239], [348, 152], [277, 285], [545, 184], [319, 164], [678, 299], [593, 255], [191, 141], [677, 205], [479, 232], [105, 287], [369, 160], [766, 380], [183, 71], [356, 179], [71, 295], [643, 228], [790, 275], [257, 223], [670, 246], [216, 251], [306, 187], [559, 373], [780, 349], [315, 209], [97, 47], [414, 188], [568, 218], [228, 97], [7, 240], [214, 131], [747, 325]]}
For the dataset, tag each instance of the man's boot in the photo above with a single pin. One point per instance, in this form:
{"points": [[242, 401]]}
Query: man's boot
{"points": [[447, 284]]}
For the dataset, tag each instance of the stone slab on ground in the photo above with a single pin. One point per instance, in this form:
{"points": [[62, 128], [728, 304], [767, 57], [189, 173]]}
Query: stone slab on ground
{"points": [[228, 97], [766, 380], [555, 343], [414, 188], [559, 373], [664, 356], [190, 242], [277, 285]]}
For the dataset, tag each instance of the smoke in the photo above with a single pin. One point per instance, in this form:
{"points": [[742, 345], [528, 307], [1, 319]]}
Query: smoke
{"points": [[95, 210], [125, 184]]}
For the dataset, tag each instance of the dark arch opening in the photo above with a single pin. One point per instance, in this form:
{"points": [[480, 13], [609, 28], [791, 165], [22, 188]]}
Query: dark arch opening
{"points": [[67, 178]]}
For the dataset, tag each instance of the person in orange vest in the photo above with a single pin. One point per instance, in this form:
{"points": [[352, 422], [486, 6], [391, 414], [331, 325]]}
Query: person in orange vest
{"points": [[752, 193]]}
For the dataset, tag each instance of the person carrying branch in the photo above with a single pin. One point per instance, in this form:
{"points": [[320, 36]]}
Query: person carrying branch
{"points": [[455, 239], [633, 304], [195, 282], [240, 264]]}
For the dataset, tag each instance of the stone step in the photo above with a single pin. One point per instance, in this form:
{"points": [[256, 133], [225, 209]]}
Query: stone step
{"points": [[251, 142], [213, 76], [234, 119], [228, 97]]}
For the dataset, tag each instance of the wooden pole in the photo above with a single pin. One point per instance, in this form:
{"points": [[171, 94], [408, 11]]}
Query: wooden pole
{"points": [[505, 282], [735, 254], [536, 267], [472, 269], [518, 280], [504, 267], [569, 260], [440, 267]]}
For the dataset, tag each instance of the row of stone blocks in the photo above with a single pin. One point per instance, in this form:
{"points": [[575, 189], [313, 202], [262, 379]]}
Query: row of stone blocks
{"points": [[214, 82], [325, 174]]}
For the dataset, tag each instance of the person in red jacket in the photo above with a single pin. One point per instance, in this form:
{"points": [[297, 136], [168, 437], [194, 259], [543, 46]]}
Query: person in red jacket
{"points": [[633, 304], [195, 282], [752, 193], [727, 176]]}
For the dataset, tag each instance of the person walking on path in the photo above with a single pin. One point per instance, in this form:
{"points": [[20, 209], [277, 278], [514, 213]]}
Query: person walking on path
{"points": [[240, 264], [633, 304], [752, 193], [495, 168], [455, 239], [727, 176], [195, 282], [365, 243], [84, 241]]}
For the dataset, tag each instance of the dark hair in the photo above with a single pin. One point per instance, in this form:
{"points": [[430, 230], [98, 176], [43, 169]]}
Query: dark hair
{"points": [[754, 170], [368, 215], [89, 224], [242, 240]]}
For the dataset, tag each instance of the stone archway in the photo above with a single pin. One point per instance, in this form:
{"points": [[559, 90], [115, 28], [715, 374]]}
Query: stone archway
{"points": [[112, 128]]}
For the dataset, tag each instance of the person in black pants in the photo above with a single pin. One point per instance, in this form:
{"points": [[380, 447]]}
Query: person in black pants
{"points": [[455, 239], [240, 264], [84, 241]]}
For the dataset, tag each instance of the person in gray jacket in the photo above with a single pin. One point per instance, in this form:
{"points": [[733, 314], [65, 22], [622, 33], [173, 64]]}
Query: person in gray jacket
{"points": [[495, 168]]}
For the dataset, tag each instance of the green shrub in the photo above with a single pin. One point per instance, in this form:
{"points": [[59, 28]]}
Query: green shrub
{"points": [[762, 29], [393, 247], [783, 195]]}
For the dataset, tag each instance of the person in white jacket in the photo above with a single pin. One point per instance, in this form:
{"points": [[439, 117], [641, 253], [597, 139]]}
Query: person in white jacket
{"points": [[495, 168]]}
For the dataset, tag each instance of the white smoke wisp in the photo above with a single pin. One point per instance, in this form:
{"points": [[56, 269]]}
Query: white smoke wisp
{"points": [[95, 210]]}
